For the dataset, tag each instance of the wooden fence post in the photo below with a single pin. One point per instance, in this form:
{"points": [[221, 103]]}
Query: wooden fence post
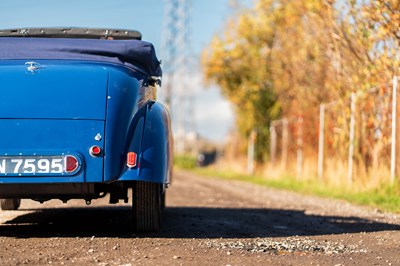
{"points": [[393, 144], [351, 137], [251, 152], [285, 141], [299, 166], [273, 142], [321, 139]]}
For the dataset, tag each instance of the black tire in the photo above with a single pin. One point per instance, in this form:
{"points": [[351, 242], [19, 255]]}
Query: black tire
{"points": [[10, 204], [163, 200], [146, 206]]}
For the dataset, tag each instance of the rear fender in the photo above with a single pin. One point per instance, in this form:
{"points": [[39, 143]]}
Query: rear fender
{"points": [[152, 142]]}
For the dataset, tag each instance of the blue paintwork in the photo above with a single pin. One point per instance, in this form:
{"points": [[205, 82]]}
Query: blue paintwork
{"points": [[155, 147], [53, 137], [121, 108], [61, 107], [55, 91]]}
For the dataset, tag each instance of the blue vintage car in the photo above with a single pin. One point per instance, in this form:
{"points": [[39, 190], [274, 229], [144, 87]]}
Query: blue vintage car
{"points": [[79, 120]]}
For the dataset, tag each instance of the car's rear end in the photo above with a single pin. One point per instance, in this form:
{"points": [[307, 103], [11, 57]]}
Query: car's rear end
{"points": [[74, 123]]}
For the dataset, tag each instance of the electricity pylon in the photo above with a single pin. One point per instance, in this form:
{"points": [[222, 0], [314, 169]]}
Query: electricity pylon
{"points": [[176, 63]]}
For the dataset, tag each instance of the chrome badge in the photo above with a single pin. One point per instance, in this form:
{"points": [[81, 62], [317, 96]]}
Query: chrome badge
{"points": [[32, 66]]}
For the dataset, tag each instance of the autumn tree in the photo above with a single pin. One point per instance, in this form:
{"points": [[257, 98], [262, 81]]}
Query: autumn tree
{"points": [[240, 63], [285, 57]]}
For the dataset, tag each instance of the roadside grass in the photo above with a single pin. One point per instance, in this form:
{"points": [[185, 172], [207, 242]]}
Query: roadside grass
{"points": [[385, 198], [185, 162]]}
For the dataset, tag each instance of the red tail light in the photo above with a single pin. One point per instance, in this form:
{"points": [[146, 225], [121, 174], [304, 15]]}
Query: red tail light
{"points": [[131, 159], [71, 163], [95, 150]]}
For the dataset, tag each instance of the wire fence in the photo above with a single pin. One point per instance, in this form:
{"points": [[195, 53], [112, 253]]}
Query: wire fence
{"points": [[354, 138]]}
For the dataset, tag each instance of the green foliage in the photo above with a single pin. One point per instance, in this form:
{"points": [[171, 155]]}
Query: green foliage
{"points": [[241, 65], [185, 161], [285, 57]]}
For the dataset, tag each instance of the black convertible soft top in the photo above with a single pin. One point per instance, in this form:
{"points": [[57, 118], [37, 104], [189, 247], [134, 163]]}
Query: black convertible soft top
{"points": [[73, 32], [135, 54]]}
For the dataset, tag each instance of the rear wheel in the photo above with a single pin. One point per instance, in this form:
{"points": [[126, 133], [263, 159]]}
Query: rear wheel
{"points": [[163, 200], [10, 204], [146, 206]]}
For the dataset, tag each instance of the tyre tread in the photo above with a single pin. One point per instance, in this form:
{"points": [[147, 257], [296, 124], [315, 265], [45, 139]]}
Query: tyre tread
{"points": [[10, 204], [146, 206]]}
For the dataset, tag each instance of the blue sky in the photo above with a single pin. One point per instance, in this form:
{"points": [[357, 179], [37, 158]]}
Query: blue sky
{"points": [[208, 18]]}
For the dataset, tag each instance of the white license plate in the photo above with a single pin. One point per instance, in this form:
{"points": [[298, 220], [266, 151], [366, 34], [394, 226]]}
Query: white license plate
{"points": [[32, 165]]}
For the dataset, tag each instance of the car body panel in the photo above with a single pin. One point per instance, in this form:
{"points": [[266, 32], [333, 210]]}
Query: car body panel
{"points": [[123, 92], [40, 137], [87, 95], [54, 91], [155, 147]]}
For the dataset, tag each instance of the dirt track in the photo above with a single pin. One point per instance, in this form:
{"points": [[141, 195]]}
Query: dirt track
{"points": [[207, 222]]}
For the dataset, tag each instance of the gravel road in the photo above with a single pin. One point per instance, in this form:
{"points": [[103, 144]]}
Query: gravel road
{"points": [[207, 222]]}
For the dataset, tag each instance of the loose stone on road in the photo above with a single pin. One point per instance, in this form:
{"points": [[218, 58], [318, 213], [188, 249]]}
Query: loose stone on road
{"points": [[207, 222]]}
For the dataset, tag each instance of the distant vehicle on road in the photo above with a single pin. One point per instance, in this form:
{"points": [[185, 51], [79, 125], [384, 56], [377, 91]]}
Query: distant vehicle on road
{"points": [[79, 120], [206, 158]]}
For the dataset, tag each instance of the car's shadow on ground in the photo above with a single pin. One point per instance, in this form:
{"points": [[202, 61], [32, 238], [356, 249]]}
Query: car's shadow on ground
{"points": [[183, 222]]}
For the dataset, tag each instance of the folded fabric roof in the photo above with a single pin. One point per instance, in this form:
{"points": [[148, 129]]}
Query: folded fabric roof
{"points": [[137, 55]]}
